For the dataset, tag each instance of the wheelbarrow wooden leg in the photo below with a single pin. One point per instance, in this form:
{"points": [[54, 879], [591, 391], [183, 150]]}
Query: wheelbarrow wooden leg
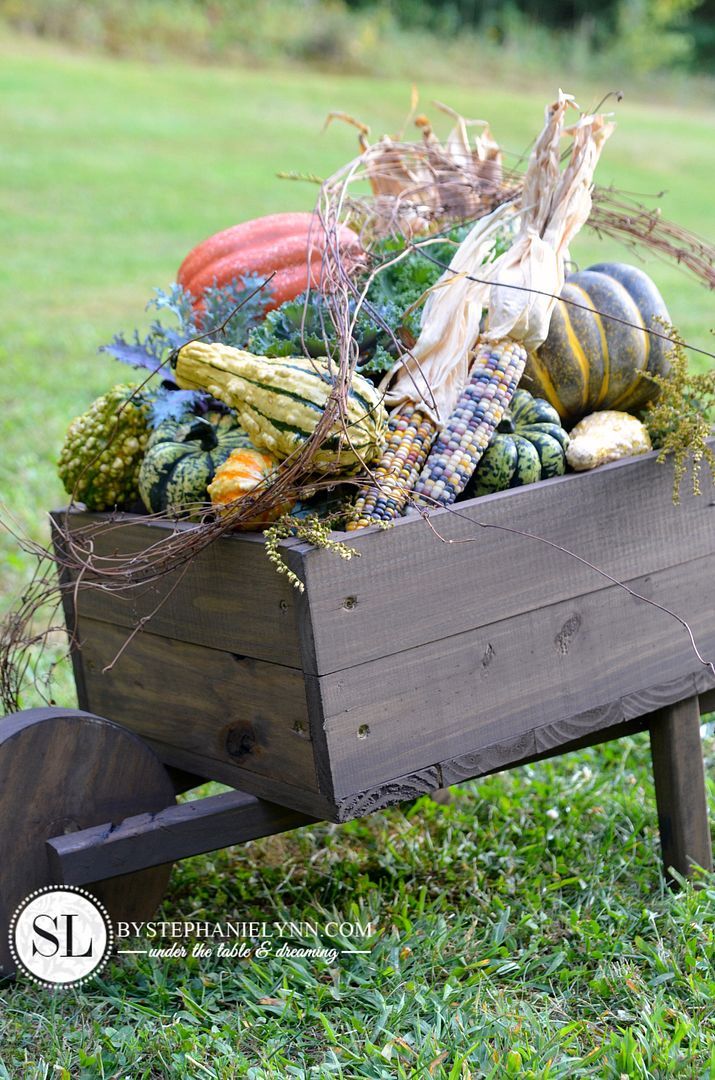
{"points": [[680, 787]]}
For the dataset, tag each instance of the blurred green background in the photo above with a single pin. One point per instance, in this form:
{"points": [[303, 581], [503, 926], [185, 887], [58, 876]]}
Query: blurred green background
{"points": [[640, 37]]}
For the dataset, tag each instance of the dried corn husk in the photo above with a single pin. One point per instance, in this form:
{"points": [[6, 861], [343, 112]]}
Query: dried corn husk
{"points": [[455, 180], [555, 206], [436, 369], [520, 288]]}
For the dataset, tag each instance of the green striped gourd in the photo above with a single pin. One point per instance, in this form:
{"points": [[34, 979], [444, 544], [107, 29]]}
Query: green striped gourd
{"points": [[280, 401], [529, 445], [182, 457], [590, 361]]}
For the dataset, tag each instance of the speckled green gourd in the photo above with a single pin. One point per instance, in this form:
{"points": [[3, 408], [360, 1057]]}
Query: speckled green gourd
{"points": [[104, 474], [529, 445], [591, 362], [280, 401], [182, 457]]}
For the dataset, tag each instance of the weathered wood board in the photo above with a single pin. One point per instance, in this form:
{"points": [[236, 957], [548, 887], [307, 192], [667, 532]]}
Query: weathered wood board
{"points": [[420, 662], [512, 676], [228, 598], [243, 719], [407, 588]]}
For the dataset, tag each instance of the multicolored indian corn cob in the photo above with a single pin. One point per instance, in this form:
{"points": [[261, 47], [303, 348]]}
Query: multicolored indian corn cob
{"points": [[497, 369], [410, 436], [455, 452]]}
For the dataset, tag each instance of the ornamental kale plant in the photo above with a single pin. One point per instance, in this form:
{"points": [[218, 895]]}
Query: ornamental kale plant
{"points": [[304, 325], [229, 313]]}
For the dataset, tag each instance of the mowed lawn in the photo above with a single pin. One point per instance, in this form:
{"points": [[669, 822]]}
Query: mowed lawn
{"points": [[523, 931]]}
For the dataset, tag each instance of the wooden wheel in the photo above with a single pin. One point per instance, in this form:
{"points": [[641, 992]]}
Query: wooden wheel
{"points": [[60, 771]]}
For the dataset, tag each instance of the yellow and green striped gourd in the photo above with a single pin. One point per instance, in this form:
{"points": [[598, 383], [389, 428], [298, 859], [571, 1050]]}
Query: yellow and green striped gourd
{"points": [[280, 401], [591, 360]]}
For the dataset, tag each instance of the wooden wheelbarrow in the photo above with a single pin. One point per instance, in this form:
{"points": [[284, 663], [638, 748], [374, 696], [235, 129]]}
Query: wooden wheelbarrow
{"points": [[413, 667]]}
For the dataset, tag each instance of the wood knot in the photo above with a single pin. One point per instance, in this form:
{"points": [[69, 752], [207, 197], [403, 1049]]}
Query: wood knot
{"points": [[567, 633], [240, 741]]}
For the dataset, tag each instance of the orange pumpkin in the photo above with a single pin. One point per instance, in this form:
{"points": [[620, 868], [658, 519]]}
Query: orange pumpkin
{"points": [[241, 474], [277, 242]]}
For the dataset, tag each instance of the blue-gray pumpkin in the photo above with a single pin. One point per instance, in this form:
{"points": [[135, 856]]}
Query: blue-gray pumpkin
{"points": [[528, 445], [590, 361], [182, 457]]}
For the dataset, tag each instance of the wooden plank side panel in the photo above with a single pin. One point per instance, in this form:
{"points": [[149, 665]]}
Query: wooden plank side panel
{"points": [[398, 714], [229, 597], [520, 750], [407, 588], [245, 714], [627, 716]]}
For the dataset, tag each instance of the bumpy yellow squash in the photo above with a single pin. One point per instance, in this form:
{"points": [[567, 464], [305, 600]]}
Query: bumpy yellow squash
{"points": [[280, 401]]}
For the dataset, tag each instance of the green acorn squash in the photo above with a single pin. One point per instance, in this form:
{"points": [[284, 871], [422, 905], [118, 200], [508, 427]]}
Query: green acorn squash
{"points": [[528, 445], [182, 457], [590, 362]]}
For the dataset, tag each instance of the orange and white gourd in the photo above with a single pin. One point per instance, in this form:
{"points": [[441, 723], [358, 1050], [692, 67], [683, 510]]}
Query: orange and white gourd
{"points": [[245, 472]]}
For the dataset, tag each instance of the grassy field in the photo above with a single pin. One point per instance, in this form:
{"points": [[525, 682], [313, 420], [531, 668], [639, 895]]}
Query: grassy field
{"points": [[523, 931]]}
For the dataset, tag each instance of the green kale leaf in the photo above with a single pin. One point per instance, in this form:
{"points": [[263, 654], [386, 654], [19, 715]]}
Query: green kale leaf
{"points": [[388, 321], [229, 314]]}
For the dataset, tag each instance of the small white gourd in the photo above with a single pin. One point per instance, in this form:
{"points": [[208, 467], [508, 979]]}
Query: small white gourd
{"points": [[606, 436]]}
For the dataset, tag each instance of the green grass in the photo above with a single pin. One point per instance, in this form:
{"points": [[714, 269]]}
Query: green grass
{"points": [[523, 931]]}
